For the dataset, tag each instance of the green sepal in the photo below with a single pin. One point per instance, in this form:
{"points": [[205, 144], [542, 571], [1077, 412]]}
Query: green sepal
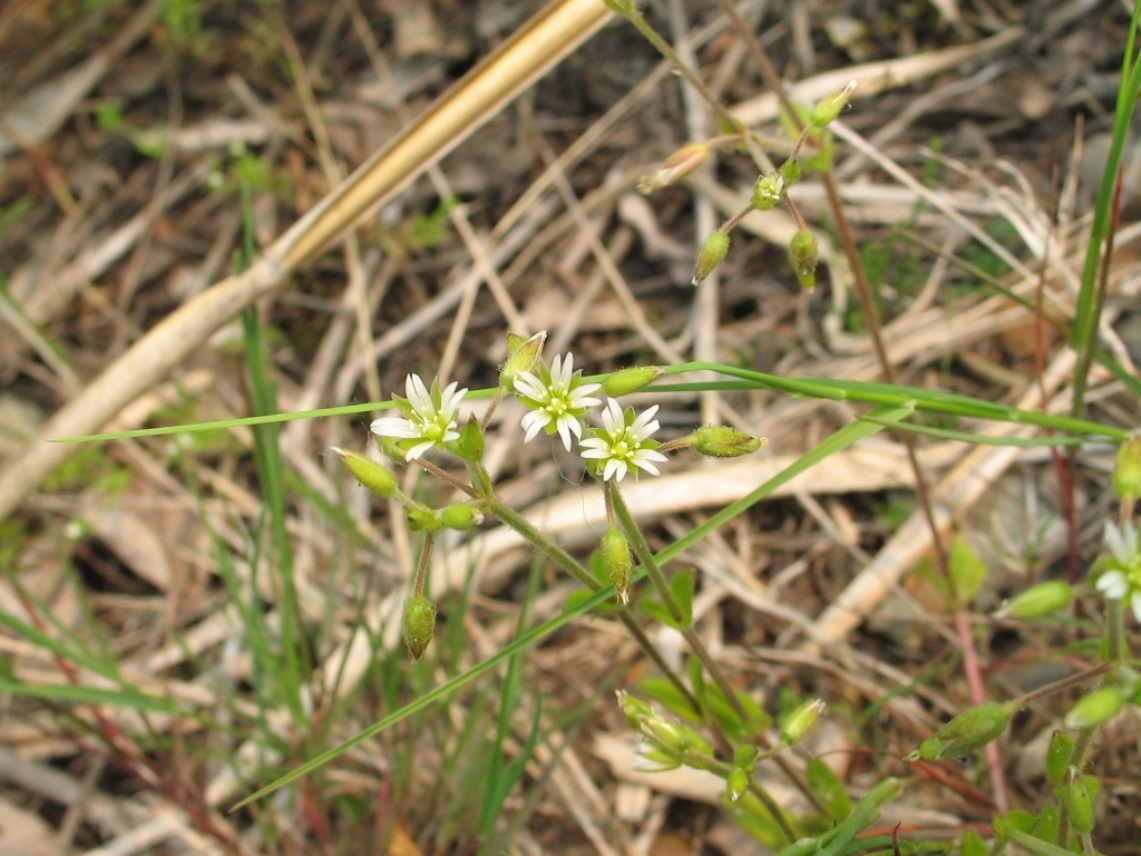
{"points": [[469, 447]]}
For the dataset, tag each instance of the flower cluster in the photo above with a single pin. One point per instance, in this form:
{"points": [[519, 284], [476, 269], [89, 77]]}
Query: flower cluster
{"points": [[558, 402]]}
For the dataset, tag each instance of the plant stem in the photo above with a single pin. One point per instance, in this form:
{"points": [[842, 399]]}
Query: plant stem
{"points": [[422, 565], [569, 564]]}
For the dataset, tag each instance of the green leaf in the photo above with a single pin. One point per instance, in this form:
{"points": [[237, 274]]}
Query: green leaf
{"points": [[752, 816], [967, 571], [657, 609], [828, 788], [1016, 820], [972, 844], [696, 678], [681, 586], [726, 715], [670, 697]]}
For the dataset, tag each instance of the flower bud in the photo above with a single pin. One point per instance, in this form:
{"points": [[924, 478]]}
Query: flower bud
{"points": [[800, 721], [417, 623], [804, 254], [965, 733], [523, 355], [666, 733], [469, 447], [1098, 707], [767, 192], [829, 108], [368, 472], [736, 785], [790, 172], [625, 381], [676, 167], [633, 708], [461, 517], [723, 441], [618, 561], [1058, 756], [1127, 472], [712, 254], [1039, 601]]}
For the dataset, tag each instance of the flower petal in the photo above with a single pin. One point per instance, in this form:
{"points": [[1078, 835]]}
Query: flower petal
{"points": [[394, 426]]}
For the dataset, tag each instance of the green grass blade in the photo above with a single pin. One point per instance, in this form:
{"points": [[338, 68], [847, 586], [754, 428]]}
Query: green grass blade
{"points": [[1087, 311], [432, 696], [842, 439], [129, 698]]}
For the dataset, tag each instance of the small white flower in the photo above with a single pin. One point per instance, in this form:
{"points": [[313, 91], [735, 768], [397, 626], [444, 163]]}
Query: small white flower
{"points": [[429, 418], [1122, 578], [558, 399], [623, 445]]}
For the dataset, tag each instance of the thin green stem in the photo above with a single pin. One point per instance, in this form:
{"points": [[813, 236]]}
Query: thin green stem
{"points": [[654, 572], [666, 50], [422, 565], [569, 564], [755, 788]]}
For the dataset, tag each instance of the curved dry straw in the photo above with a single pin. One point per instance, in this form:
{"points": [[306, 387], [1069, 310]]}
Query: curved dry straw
{"points": [[532, 51]]}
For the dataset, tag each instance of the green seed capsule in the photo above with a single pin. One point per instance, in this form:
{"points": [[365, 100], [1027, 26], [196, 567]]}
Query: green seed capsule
{"points": [[461, 517], [1094, 709], [804, 253], [965, 733], [369, 473], [828, 109], [1039, 601], [723, 441], [618, 560], [800, 721], [626, 381], [736, 785], [418, 623], [712, 254]]}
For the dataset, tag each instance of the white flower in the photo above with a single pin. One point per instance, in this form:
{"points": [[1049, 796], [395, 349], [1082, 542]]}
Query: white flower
{"points": [[623, 442], [1122, 578], [429, 419], [558, 399]]}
